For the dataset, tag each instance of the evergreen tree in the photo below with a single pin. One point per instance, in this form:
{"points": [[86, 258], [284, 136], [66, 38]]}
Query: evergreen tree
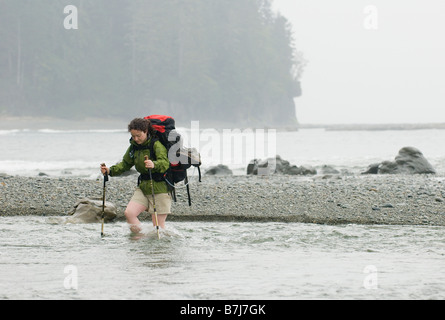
{"points": [[194, 59]]}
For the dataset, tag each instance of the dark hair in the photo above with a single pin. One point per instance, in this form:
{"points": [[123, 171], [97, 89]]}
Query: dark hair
{"points": [[141, 125]]}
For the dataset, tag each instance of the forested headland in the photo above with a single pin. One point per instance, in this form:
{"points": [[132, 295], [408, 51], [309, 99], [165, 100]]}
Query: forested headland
{"points": [[217, 60]]}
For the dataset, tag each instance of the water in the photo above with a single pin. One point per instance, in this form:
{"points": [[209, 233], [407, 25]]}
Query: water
{"points": [[69, 153], [41, 259]]}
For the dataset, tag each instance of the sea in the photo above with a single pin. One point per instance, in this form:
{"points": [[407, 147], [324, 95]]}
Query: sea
{"points": [[42, 258], [78, 153]]}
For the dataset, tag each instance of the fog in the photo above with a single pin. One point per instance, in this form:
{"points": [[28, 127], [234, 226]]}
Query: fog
{"points": [[370, 61], [355, 61], [216, 61]]}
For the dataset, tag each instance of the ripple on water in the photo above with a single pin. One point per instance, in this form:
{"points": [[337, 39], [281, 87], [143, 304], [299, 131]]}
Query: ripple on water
{"points": [[220, 261]]}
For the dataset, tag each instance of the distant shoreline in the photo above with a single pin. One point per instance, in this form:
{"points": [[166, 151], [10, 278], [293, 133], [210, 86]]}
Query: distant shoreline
{"points": [[38, 123], [374, 127]]}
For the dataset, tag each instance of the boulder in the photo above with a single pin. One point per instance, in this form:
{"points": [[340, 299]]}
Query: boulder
{"points": [[252, 167], [219, 170], [90, 211], [277, 166], [372, 169], [409, 161], [325, 169], [306, 170]]}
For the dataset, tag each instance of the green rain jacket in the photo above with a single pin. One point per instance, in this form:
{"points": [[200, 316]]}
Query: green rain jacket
{"points": [[136, 158]]}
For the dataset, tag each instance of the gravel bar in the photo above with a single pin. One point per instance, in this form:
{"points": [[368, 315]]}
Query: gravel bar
{"points": [[356, 199]]}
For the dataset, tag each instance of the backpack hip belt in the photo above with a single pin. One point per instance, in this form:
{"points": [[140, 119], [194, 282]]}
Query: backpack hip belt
{"points": [[156, 176]]}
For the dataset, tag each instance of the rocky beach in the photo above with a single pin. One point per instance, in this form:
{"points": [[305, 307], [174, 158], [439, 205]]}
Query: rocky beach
{"points": [[322, 199], [404, 190]]}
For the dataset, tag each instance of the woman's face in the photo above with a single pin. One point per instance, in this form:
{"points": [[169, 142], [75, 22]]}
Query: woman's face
{"points": [[138, 136]]}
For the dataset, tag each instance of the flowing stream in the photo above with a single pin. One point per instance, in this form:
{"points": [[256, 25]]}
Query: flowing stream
{"points": [[42, 258]]}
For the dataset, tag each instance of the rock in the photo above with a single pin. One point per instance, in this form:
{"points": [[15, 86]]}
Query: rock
{"points": [[372, 169], [273, 165], [219, 170], [252, 166], [412, 160], [307, 170], [409, 161], [277, 166], [90, 211], [387, 167], [325, 169]]}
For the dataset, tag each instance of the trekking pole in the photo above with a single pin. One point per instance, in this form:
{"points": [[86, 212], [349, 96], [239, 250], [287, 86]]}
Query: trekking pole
{"points": [[154, 203], [103, 202]]}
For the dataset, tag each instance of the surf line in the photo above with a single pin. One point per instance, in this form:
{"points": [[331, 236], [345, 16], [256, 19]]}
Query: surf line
{"points": [[197, 310]]}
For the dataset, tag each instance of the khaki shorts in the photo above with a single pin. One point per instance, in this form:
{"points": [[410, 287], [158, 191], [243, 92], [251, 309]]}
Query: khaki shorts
{"points": [[163, 201]]}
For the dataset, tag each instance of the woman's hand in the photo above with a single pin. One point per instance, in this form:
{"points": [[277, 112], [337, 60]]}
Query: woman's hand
{"points": [[104, 169], [149, 164]]}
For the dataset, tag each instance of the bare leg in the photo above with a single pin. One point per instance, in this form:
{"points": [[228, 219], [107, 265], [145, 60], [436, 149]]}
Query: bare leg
{"points": [[161, 220], [132, 212]]}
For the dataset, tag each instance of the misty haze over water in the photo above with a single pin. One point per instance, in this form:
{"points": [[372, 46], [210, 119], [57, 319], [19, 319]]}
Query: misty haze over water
{"points": [[233, 62]]}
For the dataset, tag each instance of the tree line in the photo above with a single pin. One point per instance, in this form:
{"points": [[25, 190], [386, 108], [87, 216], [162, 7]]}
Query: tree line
{"points": [[222, 60]]}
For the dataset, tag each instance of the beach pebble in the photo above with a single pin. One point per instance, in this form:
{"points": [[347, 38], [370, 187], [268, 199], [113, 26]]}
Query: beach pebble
{"points": [[362, 199]]}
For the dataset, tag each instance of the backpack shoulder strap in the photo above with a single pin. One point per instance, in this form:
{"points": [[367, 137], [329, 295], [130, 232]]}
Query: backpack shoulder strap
{"points": [[152, 148]]}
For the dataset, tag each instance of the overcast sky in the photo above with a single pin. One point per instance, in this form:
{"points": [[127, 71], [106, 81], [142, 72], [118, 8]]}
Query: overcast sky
{"points": [[376, 61]]}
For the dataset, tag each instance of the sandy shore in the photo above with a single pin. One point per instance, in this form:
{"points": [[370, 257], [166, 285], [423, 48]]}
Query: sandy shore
{"points": [[368, 199]]}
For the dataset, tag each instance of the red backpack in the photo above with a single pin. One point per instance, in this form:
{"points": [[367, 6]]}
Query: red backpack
{"points": [[180, 158]]}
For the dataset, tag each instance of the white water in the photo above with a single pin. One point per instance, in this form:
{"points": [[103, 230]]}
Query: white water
{"points": [[42, 260]]}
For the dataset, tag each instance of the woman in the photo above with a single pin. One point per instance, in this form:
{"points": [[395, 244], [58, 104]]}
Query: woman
{"points": [[142, 134]]}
